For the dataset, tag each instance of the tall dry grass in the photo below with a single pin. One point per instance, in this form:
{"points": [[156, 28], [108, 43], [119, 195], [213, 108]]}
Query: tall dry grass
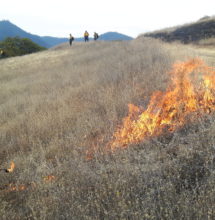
{"points": [[58, 104]]}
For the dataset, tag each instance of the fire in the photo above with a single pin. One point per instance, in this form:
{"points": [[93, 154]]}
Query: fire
{"points": [[49, 178], [15, 188], [12, 166], [191, 91], [12, 187]]}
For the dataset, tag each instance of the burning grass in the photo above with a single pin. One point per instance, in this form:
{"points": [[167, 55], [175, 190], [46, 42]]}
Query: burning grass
{"points": [[11, 169], [191, 91], [58, 103]]}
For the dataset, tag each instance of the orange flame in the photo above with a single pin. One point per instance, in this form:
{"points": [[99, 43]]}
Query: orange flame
{"points": [[12, 166], [49, 178], [15, 188], [191, 90], [12, 187]]}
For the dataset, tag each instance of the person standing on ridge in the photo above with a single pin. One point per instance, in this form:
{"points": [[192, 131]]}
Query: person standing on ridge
{"points": [[86, 36], [96, 36], [2, 53], [71, 38]]}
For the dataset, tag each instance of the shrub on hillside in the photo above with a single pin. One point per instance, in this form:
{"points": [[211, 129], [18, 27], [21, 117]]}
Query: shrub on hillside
{"points": [[16, 46]]}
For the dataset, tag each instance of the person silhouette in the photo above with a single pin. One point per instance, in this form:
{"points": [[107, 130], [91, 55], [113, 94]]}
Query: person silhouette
{"points": [[71, 39], [86, 36], [96, 36]]}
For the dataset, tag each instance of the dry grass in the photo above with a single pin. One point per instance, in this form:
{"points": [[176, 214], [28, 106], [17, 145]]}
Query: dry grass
{"points": [[55, 105], [210, 42]]}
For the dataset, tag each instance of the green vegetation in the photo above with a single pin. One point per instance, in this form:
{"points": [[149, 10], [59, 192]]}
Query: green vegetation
{"points": [[15, 46]]}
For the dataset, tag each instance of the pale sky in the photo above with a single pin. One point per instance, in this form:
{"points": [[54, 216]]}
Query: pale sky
{"points": [[131, 17]]}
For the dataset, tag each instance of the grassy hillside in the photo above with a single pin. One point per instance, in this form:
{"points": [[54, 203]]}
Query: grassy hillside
{"points": [[200, 32], [58, 111]]}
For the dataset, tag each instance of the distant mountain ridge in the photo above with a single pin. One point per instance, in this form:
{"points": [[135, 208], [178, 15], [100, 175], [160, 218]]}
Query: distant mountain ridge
{"points": [[8, 29], [114, 36]]}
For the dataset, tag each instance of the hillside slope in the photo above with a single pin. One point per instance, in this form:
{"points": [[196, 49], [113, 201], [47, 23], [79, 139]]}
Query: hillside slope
{"points": [[59, 111], [194, 32]]}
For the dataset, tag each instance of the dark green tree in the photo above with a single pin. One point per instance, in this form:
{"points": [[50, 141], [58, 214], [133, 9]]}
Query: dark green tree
{"points": [[16, 46]]}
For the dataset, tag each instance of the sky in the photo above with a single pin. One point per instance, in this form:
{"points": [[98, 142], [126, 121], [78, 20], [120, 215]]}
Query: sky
{"points": [[131, 17]]}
